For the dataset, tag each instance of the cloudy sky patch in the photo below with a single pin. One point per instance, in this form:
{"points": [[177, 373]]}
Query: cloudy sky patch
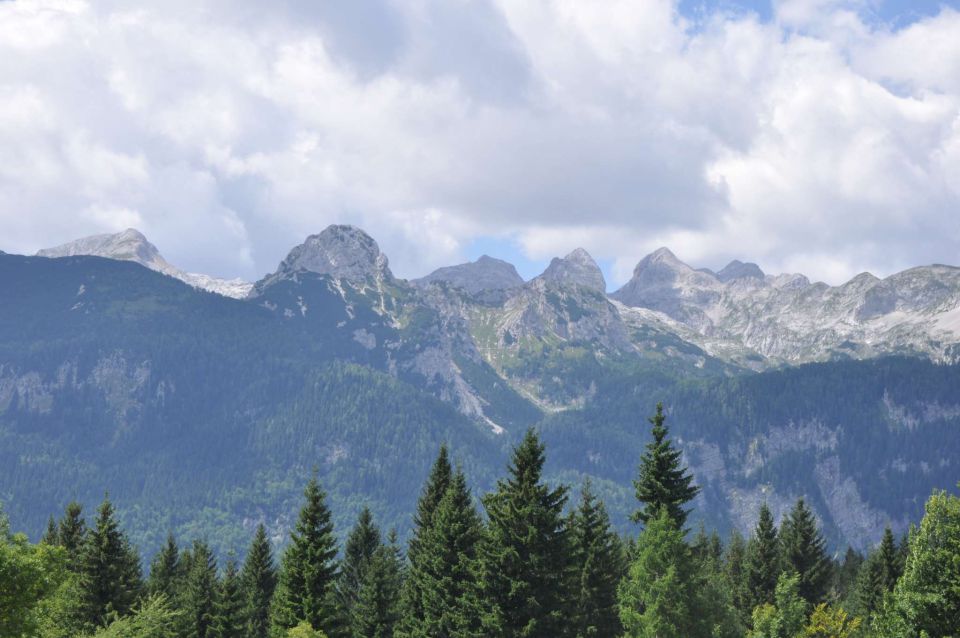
{"points": [[820, 136]]}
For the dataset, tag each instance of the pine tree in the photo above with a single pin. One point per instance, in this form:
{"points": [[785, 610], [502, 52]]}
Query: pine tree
{"points": [[524, 556], [200, 592], [662, 480], [72, 534], [259, 580], [308, 574], [449, 567], [109, 571], [597, 566], [658, 597], [229, 618], [362, 543], [735, 568], [877, 577], [165, 573], [803, 550], [411, 624], [51, 537], [763, 566], [378, 607]]}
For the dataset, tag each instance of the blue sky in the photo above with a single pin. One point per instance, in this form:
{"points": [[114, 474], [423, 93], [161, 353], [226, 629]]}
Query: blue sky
{"points": [[823, 138]]}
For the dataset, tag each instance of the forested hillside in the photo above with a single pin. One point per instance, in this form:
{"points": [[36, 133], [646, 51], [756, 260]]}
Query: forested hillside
{"points": [[204, 415], [530, 559]]}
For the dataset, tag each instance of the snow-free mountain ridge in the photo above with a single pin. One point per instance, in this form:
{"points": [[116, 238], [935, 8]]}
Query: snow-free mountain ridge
{"points": [[739, 314]]}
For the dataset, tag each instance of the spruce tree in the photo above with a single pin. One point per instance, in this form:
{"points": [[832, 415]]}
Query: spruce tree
{"points": [[597, 566], [763, 565], [51, 537], [109, 571], [803, 549], [72, 534], [200, 592], [378, 606], [877, 577], [165, 574], [524, 555], [362, 543], [658, 595], [259, 580], [229, 617], [663, 482], [449, 567], [735, 567], [845, 577], [308, 574], [411, 623]]}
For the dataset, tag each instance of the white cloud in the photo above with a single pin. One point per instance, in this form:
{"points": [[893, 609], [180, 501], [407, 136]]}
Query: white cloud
{"points": [[819, 141]]}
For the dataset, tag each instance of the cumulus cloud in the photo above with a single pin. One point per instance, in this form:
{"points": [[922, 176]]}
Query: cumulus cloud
{"points": [[818, 141]]}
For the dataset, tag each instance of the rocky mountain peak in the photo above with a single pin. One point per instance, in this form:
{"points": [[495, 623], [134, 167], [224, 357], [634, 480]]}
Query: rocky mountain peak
{"points": [[132, 245], [486, 273], [737, 269], [578, 268], [127, 245], [343, 252]]}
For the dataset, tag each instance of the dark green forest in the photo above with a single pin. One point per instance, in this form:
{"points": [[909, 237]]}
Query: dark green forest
{"points": [[528, 558]]}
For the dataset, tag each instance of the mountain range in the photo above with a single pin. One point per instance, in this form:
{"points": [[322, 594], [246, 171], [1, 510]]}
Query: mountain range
{"points": [[116, 377]]}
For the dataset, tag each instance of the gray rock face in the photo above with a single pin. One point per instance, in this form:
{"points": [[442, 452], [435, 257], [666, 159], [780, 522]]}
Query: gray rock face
{"points": [[343, 252], [736, 269], [576, 269], [486, 273], [131, 245]]}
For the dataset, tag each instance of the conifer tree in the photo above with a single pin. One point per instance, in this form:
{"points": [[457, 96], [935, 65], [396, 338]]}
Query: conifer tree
{"points": [[762, 566], [378, 607], [524, 556], [72, 534], [877, 577], [449, 567], [657, 597], [165, 574], [362, 543], [735, 568], [308, 574], [51, 537], [109, 571], [229, 618], [200, 592], [662, 480], [597, 566], [846, 576], [412, 596], [259, 579], [803, 550]]}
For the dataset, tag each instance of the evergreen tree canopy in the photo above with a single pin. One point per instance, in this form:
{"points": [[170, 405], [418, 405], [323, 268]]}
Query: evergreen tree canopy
{"points": [[109, 571], [378, 606], [165, 573], [663, 482], [786, 619], [362, 543], [200, 596], [411, 625], [597, 559], [877, 576], [259, 579], [804, 551], [72, 533], [658, 597], [309, 571], [449, 567], [735, 567], [230, 611], [525, 550], [763, 565]]}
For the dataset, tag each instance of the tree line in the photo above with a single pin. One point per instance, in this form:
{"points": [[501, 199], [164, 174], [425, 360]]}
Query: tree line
{"points": [[525, 563]]}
